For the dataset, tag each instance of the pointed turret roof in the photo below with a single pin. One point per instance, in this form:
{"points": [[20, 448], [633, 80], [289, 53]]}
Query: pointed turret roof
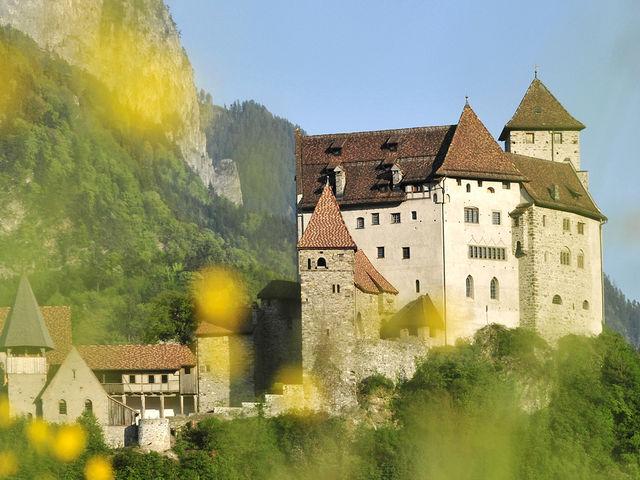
{"points": [[326, 227], [25, 326], [540, 110], [474, 152]]}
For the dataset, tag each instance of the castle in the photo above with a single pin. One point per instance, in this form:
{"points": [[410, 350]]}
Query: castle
{"points": [[407, 239]]}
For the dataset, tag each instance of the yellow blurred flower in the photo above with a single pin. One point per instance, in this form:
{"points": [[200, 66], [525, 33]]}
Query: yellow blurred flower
{"points": [[98, 468], [69, 442], [38, 434], [5, 411], [220, 297], [8, 464]]}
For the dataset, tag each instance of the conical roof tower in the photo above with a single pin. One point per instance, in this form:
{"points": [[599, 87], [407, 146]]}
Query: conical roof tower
{"points": [[25, 325]]}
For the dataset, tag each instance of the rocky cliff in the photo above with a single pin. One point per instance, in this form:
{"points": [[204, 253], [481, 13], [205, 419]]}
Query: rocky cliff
{"points": [[133, 46]]}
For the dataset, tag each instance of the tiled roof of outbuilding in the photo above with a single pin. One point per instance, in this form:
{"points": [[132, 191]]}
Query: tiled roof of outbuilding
{"points": [[367, 278], [539, 110], [571, 194], [58, 322], [474, 153], [326, 227], [137, 357]]}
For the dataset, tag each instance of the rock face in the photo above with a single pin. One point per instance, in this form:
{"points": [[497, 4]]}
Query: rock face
{"points": [[134, 48], [226, 181]]}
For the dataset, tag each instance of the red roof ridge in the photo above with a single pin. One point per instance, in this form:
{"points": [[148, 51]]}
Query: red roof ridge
{"points": [[326, 228], [426, 128]]}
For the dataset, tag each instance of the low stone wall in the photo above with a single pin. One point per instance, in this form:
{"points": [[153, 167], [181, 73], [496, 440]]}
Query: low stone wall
{"points": [[393, 359], [119, 436], [154, 434]]}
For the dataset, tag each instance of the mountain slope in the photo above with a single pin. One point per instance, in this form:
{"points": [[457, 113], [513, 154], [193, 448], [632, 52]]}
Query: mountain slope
{"points": [[621, 314], [105, 215]]}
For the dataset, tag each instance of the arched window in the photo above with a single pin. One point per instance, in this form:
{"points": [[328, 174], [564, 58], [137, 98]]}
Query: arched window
{"points": [[580, 259], [435, 198], [417, 286], [88, 405], [468, 187], [518, 249], [565, 256], [469, 286], [62, 407], [322, 262], [494, 291], [360, 222], [491, 190], [557, 300], [585, 305]]}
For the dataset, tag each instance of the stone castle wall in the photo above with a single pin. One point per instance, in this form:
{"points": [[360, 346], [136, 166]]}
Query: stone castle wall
{"points": [[545, 147]]}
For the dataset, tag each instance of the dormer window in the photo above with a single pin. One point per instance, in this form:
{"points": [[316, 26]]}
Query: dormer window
{"points": [[390, 144], [396, 174], [335, 148]]}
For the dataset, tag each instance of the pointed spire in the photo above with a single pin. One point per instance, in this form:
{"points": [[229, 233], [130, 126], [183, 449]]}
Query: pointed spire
{"points": [[326, 227], [540, 110], [25, 325], [474, 152]]}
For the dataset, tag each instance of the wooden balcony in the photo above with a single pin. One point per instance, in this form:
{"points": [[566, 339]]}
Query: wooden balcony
{"points": [[141, 388]]}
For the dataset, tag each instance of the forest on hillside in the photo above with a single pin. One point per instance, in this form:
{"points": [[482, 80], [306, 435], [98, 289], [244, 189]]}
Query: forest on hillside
{"points": [[103, 214]]}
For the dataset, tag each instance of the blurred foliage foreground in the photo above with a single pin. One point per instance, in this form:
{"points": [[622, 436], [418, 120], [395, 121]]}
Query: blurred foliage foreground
{"points": [[506, 406]]}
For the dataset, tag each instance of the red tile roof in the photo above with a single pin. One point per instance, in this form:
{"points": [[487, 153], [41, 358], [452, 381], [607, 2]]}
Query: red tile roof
{"points": [[326, 227], [367, 278], [539, 110], [475, 153], [58, 322], [137, 357], [571, 194]]}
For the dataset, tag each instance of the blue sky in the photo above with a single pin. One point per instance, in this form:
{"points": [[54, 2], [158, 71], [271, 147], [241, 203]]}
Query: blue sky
{"points": [[353, 65]]}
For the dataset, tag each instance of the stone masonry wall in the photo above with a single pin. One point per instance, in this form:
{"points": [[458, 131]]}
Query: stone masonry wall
{"points": [[545, 147], [154, 434], [393, 359]]}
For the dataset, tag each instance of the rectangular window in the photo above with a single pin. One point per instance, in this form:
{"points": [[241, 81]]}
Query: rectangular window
{"points": [[165, 378], [152, 379], [490, 253], [557, 137], [479, 183], [529, 138], [132, 379], [406, 252], [566, 225], [581, 228], [458, 181], [544, 220], [375, 219], [414, 215], [187, 370], [506, 185], [395, 218], [516, 221], [471, 215], [360, 222], [495, 218], [380, 252]]}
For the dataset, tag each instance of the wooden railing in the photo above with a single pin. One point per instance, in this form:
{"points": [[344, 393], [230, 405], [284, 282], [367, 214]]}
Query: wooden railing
{"points": [[121, 414]]}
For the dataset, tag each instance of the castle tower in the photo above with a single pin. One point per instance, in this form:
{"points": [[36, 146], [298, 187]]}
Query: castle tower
{"points": [[326, 253], [25, 339], [542, 128]]}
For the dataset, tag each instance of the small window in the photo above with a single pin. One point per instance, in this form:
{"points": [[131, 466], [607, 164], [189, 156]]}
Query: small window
{"points": [[165, 379], [132, 379], [88, 405], [417, 286], [468, 187], [557, 300], [471, 215], [585, 305], [518, 249], [308, 264], [491, 190], [152, 379], [544, 220], [506, 185], [414, 215], [581, 259], [516, 221], [493, 289], [338, 288], [375, 219], [566, 224], [406, 252], [529, 138], [557, 137], [322, 262], [187, 370], [360, 222], [62, 407], [458, 181], [565, 257], [380, 252], [581, 228], [495, 218], [479, 183], [469, 286], [395, 218], [435, 198]]}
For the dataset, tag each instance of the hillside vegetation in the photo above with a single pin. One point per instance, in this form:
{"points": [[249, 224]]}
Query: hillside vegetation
{"points": [[106, 216], [621, 314]]}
